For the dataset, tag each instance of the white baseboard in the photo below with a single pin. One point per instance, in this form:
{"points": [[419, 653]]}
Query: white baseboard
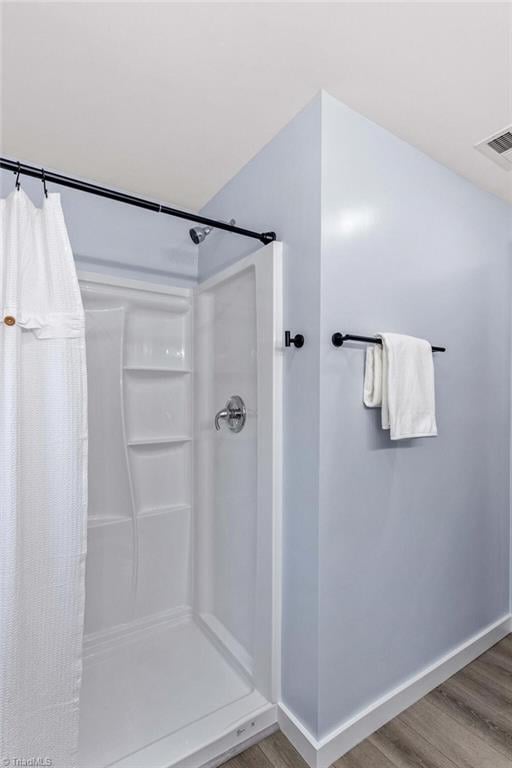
{"points": [[320, 753], [303, 741]]}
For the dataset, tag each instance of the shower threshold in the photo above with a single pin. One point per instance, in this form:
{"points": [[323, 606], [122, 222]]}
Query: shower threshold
{"points": [[163, 696]]}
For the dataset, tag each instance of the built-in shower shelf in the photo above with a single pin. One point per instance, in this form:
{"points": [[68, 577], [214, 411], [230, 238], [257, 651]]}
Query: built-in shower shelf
{"points": [[174, 508], [96, 520], [156, 369], [159, 441]]}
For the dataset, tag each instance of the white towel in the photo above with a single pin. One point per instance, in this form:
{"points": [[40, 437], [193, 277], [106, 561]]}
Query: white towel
{"points": [[372, 395], [399, 377]]}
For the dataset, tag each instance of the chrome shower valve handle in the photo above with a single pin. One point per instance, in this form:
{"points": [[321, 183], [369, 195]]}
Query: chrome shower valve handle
{"points": [[234, 414], [220, 415]]}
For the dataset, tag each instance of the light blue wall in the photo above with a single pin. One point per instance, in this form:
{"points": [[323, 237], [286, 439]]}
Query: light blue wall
{"points": [[280, 190], [119, 239], [414, 537], [394, 554]]}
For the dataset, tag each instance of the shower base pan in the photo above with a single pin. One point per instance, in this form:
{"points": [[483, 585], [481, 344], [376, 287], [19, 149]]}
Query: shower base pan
{"points": [[165, 695]]}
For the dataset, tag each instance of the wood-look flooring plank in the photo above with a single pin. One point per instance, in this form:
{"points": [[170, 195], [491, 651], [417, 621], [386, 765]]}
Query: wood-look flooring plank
{"points": [[406, 748], [505, 644], [473, 712], [365, 755], [251, 758], [498, 660], [493, 692], [491, 688], [460, 744], [502, 651], [491, 680], [280, 752]]}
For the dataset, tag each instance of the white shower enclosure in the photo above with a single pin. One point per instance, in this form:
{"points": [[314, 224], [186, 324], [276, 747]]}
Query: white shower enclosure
{"points": [[181, 649]]}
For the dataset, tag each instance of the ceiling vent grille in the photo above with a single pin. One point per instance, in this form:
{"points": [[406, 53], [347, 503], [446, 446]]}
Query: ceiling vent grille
{"points": [[502, 143], [498, 147]]}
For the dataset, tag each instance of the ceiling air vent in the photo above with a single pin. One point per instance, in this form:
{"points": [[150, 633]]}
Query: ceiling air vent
{"points": [[498, 147]]}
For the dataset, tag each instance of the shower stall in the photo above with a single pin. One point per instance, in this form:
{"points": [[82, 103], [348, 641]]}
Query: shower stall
{"points": [[181, 648]]}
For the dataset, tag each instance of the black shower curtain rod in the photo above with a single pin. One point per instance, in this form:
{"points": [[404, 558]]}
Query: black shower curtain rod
{"points": [[93, 189]]}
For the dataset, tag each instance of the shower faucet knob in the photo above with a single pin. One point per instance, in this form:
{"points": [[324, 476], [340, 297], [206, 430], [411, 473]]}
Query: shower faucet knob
{"points": [[234, 414], [220, 415]]}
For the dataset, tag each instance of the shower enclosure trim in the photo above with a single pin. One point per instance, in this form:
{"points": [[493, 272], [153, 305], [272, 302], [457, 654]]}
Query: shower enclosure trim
{"points": [[268, 265]]}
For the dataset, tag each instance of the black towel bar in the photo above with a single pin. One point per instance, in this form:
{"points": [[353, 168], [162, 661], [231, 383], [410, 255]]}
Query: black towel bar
{"points": [[338, 340]]}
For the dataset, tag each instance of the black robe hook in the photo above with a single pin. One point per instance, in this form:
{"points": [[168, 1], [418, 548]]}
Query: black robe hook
{"points": [[297, 340]]}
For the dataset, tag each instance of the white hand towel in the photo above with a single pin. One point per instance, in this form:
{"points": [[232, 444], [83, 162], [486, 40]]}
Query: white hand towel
{"points": [[400, 377], [372, 396]]}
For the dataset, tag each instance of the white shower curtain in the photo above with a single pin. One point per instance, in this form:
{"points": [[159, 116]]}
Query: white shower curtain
{"points": [[43, 485]]}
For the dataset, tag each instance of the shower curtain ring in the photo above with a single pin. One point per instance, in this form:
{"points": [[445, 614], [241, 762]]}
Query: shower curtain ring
{"points": [[17, 182], [43, 179]]}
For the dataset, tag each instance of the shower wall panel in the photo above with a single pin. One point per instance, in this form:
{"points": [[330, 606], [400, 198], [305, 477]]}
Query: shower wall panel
{"points": [[109, 490], [140, 424], [226, 365]]}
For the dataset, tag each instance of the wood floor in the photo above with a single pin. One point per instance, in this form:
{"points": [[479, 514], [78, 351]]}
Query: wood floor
{"points": [[465, 723]]}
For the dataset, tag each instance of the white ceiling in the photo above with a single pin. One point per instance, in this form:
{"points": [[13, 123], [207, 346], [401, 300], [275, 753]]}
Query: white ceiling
{"points": [[169, 100]]}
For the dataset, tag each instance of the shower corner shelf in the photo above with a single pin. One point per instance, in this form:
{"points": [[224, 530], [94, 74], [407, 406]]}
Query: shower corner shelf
{"points": [[156, 369], [96, 521], [171, 509], [159, 441]]}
